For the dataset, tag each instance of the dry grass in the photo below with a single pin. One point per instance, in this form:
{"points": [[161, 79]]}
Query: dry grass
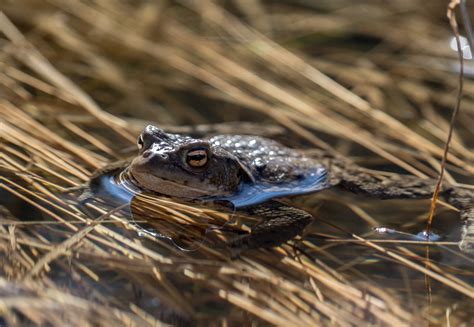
{"points": [[78, 79]]}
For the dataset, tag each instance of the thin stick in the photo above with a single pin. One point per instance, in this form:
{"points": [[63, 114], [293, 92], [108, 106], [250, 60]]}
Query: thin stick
{"points": [[454, 26]]}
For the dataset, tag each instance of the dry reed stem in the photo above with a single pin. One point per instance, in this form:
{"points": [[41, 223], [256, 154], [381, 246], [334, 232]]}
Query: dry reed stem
{"points": [[454, 26]]}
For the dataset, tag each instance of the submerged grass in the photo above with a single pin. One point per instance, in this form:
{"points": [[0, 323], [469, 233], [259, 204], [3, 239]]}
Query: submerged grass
{"points": [[78, 80]]}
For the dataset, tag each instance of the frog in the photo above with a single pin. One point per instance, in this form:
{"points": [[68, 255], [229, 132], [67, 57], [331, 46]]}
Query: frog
{"points": [[253, 174]]}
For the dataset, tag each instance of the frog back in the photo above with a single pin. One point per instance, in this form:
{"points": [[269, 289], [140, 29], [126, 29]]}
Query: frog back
{"points": [[276, 170]]}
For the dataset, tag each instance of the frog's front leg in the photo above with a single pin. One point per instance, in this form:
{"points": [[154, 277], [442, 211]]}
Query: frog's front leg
{"points": [[279, 224]]}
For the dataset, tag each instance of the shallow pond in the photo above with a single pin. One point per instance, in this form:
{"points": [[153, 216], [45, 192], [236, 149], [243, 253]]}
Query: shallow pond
{"points": [[375, 84]]}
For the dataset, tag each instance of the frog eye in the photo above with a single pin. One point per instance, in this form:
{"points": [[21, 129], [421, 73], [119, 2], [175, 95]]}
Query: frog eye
{"points": [[196, 157], [140, 142]]}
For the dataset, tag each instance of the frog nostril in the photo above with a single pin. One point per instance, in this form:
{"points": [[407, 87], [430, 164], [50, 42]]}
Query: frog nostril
{"points": [[146, 154]]}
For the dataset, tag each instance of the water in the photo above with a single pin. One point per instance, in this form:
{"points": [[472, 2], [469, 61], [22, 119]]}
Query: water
{"points": [[191, 236], [420, 236]]}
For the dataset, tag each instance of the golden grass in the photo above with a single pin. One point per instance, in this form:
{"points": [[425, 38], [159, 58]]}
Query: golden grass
{"points": [[78, 79]]}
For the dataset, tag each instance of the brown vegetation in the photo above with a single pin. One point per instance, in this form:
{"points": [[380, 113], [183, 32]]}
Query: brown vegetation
{"points": [[78, 80]]}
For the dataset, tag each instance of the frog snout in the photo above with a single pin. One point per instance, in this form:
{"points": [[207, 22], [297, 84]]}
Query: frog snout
{"points": [[153, 155]]}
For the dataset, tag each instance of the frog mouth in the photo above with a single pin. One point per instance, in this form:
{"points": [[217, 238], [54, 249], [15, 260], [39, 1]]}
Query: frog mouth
{"points": [[161, 185]]}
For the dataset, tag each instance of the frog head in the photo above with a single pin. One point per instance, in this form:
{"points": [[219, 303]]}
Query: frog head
{"points": [[182, 166]]}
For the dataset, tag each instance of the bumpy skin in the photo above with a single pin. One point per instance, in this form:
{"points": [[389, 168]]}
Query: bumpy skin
{"points": [[265, 160], [237, 159]]}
